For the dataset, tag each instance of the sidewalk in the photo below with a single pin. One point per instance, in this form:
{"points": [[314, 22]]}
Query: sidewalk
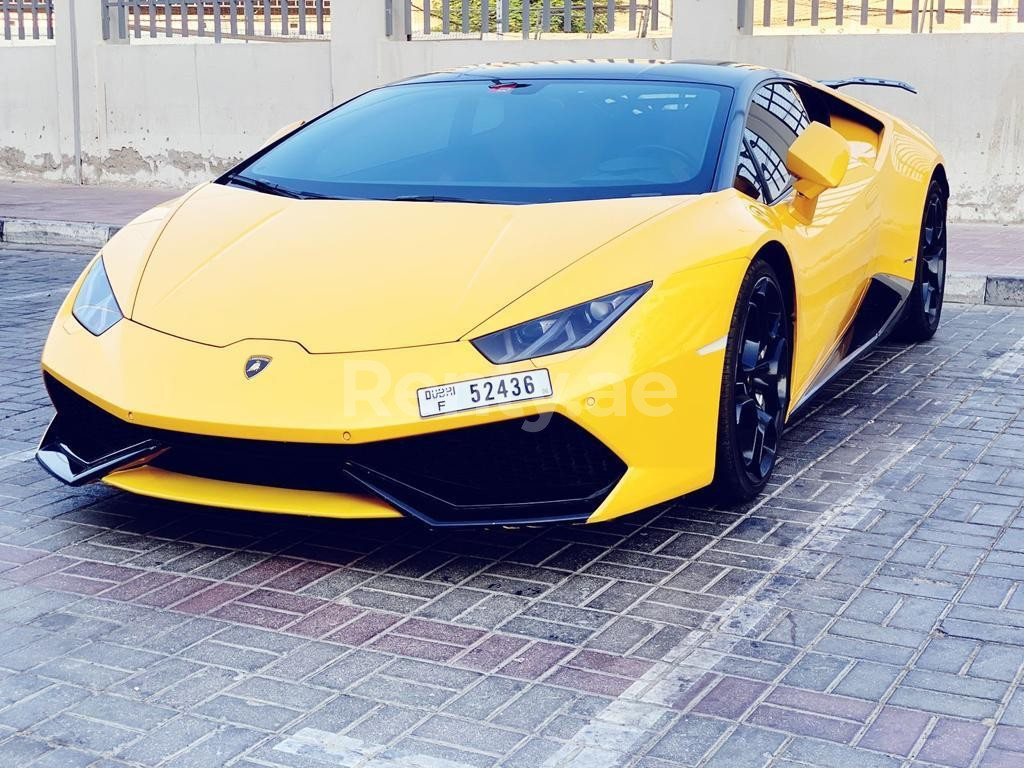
{"points": [[986, 263]]}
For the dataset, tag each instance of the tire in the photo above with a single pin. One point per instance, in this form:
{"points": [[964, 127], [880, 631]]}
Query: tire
{"points": [[923, 311], [755, 387]]}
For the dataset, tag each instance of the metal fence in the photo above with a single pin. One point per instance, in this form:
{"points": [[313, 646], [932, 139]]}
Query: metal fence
{"points": [[477, 19], [217, 19], [890, 15], [27, 19]]}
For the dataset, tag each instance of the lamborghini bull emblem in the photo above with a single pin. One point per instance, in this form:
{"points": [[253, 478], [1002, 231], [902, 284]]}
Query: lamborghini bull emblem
{"points": [[255, 365]]}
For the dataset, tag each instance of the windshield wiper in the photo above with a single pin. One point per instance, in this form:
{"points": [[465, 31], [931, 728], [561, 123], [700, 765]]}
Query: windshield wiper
{"points": [[434, 199], [269, 187]]}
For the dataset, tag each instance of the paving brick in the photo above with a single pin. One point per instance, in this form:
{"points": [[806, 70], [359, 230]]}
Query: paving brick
{"points": [[348, 669], [947, 654], [996, 662], [492, 652], [630, 668], [255, 714], [173, 736], [730, 698], [943, 703], [385, 725], [65, 757], [821, 703], [803, 724], [442, 675], [124, 712], [73, 731], [387, 689], [218, 749], [689, 739], [28, 712], [19, 750], [578, 679], [189, 692], [233, 657], [746, 747], [336, 715], [867, 680], [953, 742], [363, 628], [1009, 738], [815, 671], [323, 621], [265, 689], [533, 753], [424, 752], [493, 693], [466, 734], [535, 661], [443, 633], [805, 751], [895, 731]]}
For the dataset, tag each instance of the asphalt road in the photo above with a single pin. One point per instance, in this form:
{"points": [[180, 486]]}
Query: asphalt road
{"points": [[867, 612]]}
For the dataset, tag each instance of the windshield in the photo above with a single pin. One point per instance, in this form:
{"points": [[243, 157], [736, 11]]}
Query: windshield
{"points": [[503, 142]]}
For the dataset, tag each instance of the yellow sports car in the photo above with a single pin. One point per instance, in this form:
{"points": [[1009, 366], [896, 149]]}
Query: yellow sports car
{"points": [[502, 295]]}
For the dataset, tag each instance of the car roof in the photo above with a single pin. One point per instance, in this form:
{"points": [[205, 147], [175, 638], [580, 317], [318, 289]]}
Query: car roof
{"points": [[726, 73]]}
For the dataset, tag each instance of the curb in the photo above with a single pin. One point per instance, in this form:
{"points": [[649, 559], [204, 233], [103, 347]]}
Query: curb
{"points": [[82, 234], [993, 290], [961, 288]]}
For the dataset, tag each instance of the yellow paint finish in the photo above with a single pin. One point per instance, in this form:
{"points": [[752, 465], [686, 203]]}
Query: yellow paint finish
{"points": [[818, 159], [344, 276], [161, 484], [340, 293]]}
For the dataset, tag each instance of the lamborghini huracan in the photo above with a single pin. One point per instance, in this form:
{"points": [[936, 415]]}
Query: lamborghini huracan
{"points": [[502, 295]]}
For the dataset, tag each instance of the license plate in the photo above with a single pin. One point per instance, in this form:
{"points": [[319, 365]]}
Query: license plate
{"points": [[480, 393]]}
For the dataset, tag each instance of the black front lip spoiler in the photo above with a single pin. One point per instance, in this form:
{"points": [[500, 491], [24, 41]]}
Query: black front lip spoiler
{"points": [[438, 513], [57, 457]]}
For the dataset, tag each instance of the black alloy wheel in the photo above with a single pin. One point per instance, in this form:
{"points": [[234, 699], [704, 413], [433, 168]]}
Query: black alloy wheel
{"points": [[923, 310], [755, 386]]}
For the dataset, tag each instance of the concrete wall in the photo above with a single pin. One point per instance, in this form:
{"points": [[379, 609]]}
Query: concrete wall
{"points": [[176, 113], [30, 141]]}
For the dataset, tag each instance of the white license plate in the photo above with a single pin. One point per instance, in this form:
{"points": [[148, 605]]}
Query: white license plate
{"points": [[480, 393]]}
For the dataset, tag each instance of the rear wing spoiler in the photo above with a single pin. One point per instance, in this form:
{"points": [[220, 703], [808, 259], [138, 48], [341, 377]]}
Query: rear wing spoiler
{"points": [[869, 81]]}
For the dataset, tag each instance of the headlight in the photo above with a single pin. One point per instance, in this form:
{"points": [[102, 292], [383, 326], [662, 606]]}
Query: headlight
{"points": [[560, 331], [95, 306]]}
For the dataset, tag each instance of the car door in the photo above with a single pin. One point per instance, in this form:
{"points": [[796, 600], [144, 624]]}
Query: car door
{"points": [[832, 255]]}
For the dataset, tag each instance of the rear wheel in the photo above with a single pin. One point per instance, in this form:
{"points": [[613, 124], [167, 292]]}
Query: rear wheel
{"points": [[755, 386], [924, 306]]}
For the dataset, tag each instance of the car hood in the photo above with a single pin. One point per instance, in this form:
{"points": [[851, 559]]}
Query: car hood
{"points": [[355, 275]]}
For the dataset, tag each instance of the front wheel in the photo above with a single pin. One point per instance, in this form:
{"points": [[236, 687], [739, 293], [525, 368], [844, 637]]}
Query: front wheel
{"points": [[755, 386], [923, 310]]}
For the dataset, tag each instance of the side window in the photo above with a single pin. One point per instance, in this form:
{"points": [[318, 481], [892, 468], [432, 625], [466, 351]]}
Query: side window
{"points": [[747, 179], [777, 117]]}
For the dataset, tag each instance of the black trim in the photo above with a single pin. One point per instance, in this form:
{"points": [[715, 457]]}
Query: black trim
{"points": [[512, 472], [877, 315], [438, 513], [878, 81], [60, 460]]}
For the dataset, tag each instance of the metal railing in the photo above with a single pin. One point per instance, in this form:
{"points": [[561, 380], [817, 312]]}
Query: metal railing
{"points": [[478, 19], [217, 19], [890, 15], [27, 19]]}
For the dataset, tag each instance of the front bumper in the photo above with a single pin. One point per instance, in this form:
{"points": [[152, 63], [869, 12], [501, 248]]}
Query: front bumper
{"points": [[164, 398], [495, 473]]}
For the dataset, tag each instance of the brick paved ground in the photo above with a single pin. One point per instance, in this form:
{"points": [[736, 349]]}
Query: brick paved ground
{"points": [[867, 613]]}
